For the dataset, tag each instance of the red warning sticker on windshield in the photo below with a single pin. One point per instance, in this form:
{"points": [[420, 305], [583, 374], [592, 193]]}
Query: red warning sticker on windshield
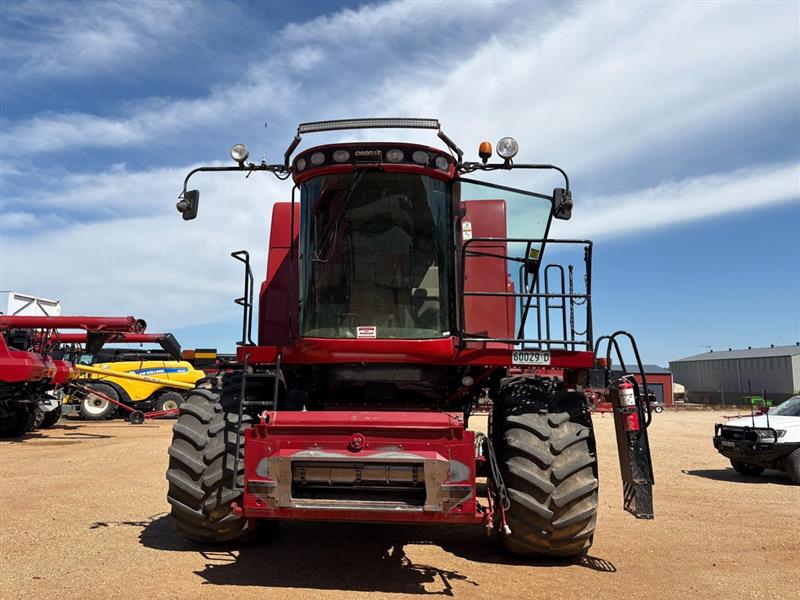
{"points": [[367, 331]]}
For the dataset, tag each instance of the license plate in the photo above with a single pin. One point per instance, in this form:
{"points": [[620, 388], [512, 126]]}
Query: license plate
{"points": [[530, 357], [727, 444]]}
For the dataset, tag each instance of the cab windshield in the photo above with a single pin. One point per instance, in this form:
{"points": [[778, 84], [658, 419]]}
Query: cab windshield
{"points": [[374, 256]]}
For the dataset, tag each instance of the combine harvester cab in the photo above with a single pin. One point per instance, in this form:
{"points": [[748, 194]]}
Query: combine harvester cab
{"points": [[394, 299]]}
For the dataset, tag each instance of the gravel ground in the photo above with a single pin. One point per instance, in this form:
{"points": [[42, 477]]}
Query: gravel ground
{"points": [[84, 515]]}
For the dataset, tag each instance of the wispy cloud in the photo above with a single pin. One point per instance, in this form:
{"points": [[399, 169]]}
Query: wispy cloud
{"points": [[154, 264], [644, 104], [690, 199], [70, 39]]}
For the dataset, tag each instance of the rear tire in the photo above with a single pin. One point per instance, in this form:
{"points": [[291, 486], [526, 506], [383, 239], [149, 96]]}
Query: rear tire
{"points": [[746, 468], [545, 443], [200, 472], [793, 466], [95, 408]]}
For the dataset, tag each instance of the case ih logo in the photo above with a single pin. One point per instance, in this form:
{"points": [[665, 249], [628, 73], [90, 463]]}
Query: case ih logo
{"points": [[370, 155], [368, 331]]}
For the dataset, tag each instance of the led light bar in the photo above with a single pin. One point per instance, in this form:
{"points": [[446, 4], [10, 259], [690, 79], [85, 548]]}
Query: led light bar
{"points": [[340, 124], [336, 125]]}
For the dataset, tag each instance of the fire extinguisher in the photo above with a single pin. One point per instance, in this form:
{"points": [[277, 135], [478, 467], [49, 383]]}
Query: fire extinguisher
{"points": [[627, 406]]}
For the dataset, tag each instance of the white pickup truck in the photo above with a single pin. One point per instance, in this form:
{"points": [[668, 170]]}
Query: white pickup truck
{"points": [[770, 441]]}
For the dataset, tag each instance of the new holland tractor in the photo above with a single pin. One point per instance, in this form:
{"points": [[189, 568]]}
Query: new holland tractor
{"points": [[394, 299]]}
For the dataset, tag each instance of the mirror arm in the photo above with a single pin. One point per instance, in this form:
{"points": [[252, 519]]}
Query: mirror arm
{"points": [[469, 167], [277, 169]]}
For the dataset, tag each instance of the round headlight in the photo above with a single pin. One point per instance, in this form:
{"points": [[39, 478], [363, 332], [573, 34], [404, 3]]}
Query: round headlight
{"points": [[507, 148], [317, 159], [420, 157], [394, 155], [239, 153], [442, 163], [341, 156], [300, 164]]}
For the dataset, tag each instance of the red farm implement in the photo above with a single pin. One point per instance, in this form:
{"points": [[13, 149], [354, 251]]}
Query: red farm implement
{"points": [[30, 377], [388, 316]]}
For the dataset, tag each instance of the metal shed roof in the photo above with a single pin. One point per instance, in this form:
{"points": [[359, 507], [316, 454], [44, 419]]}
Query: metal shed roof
{"points": [[768, 352]]}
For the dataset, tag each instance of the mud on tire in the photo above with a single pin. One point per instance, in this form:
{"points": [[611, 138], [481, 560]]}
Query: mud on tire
{"points": [[200, 473], [546, 448]]}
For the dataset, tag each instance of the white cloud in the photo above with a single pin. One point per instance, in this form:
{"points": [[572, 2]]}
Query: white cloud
{"points": [[81, 38], [674, 202], [268, 87], [597, 88], [605, 85], [154, 265]]}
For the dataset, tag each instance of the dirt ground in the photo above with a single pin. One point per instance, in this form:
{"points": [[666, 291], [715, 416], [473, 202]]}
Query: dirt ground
{"points": [[83, 515]]}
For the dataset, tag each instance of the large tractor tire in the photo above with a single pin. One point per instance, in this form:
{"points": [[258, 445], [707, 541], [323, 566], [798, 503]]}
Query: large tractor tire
{"points": [[200, 472], [95, 408], [546, 449]]}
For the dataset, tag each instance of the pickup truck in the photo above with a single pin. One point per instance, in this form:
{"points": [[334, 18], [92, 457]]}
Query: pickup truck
{"points": [[766, 441]]}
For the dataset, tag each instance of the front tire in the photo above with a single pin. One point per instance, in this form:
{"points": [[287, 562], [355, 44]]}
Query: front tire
{"points": [[793, 466], [548, 462], [746, 469], [200, 472], [169, 401]]}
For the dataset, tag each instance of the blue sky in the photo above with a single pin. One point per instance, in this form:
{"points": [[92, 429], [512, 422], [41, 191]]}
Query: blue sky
{"points": [[678, 123]]}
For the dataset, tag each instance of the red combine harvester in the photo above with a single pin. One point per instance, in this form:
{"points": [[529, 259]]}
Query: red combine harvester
{"points": [[28, 374], [388, 309]]}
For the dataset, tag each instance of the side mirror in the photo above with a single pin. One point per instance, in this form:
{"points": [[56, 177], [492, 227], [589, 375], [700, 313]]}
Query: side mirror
{"points": [[187, 205], [562, 204], [170, 345]]}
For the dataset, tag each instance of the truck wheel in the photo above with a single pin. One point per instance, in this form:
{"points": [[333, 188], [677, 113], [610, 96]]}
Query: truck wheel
{"points": [[746, 468], [169, 401], [95, 408], [793, 466], [545, 443], [201, 470], [51, 418]]}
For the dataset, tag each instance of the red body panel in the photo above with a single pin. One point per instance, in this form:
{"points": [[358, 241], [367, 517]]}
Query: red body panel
{"points": [[433, 439], [490, 316], [17, 366], [65, 372], [277, 317], [443, 351]]}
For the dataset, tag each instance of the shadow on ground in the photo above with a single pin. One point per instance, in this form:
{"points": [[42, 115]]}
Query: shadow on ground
{"points": [[69, 434], [774, 477], [342, 556]]}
